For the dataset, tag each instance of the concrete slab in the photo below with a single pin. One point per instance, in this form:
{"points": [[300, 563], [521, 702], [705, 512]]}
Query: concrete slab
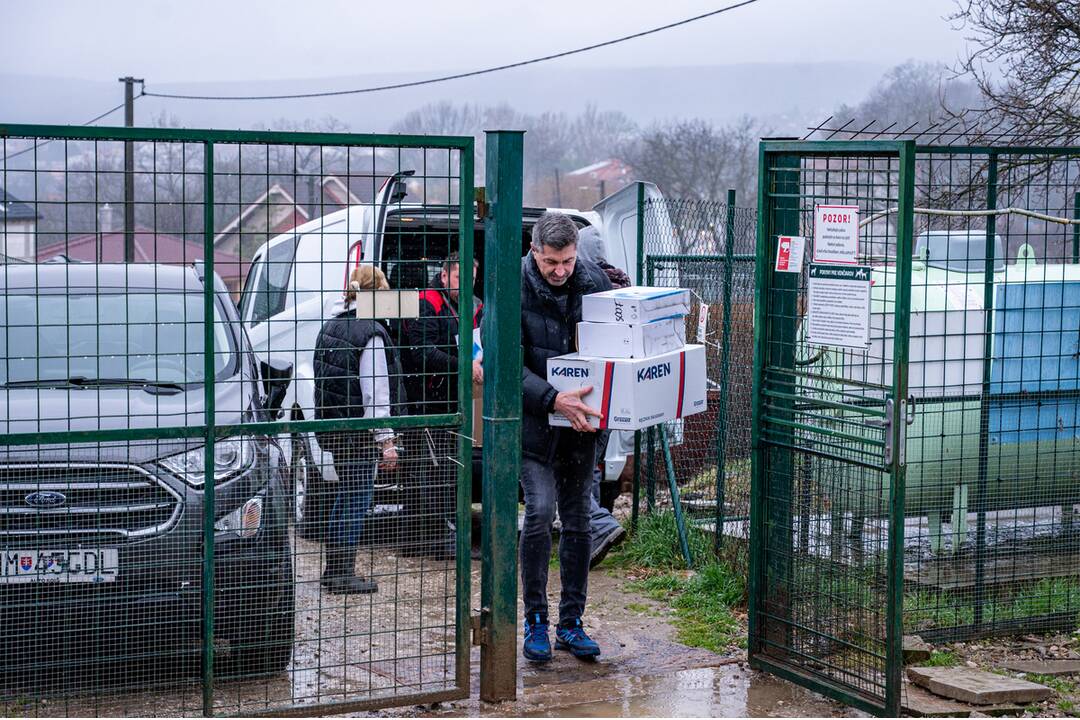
{"points": [[1044, 667], [920, 702], [976, 686], [915, 650]]}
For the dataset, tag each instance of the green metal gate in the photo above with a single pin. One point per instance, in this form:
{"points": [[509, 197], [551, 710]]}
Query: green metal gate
{"points": [[829, 436], [161, 520]]}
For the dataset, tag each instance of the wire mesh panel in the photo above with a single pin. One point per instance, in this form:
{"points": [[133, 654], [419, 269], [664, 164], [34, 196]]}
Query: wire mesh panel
{"points": [[708, 247], [827, 478], [994, 450], [237, 448]]}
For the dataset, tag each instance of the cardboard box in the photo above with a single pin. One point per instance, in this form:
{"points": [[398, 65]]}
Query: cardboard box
{"points": [[635, 305], [634, 393], [478, 415], [615, 340]]}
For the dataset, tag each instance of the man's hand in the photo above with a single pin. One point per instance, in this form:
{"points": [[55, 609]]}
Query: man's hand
{"points": [[569, 405], [477, 372], [389, 458]]}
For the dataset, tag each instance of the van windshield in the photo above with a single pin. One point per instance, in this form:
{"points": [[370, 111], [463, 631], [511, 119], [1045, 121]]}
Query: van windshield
{"points": [[156, 337]]}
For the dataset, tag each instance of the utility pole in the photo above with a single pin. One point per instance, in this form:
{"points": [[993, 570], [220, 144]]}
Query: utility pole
{"points": [[558, 192], [129, 169]]}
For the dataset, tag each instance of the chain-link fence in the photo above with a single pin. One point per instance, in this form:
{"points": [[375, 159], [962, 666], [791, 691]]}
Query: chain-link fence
{"points": [[707, 247], [215, 508]]}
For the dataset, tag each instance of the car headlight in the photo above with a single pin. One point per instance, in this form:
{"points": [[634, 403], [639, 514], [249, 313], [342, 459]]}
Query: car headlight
{"points": [[231, 457], [245, 520]]}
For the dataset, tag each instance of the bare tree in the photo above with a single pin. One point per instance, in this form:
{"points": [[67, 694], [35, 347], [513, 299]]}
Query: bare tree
{"points": [[695, 159], [1025, 59]]}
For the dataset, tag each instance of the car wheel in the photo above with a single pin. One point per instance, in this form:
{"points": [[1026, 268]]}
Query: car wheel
{"points": [[267, 646]]}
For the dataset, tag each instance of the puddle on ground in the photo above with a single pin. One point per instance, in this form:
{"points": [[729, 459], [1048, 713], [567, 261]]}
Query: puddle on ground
{"points": [[702, 692]]}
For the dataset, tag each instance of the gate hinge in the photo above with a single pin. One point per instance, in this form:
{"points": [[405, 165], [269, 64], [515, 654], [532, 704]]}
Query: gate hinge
{"points": [[480, 194], [479, 625]]}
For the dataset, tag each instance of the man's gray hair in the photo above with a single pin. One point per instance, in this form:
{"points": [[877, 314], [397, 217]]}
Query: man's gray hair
{"points": [[555, 231]]}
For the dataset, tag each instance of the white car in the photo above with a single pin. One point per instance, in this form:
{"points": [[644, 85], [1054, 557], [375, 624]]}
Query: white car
{"points": [[297, 274]]}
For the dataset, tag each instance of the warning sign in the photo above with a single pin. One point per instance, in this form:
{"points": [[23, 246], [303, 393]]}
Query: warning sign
{"points": [[838, 306], [836, 234], [789, 253]]}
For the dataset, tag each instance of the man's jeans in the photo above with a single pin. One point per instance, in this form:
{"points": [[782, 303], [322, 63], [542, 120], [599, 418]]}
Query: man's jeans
{"points": [[601, 522], [569, 486]]}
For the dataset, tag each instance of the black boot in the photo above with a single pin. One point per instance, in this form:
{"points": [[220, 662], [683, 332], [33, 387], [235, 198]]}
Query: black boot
{"points": [[340, 574]]}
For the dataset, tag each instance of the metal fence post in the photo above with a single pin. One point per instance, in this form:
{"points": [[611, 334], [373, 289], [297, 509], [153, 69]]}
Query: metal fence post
{"points": [[637, 279], [208, 418], [984, 406], [725, 358], [502, 416]]}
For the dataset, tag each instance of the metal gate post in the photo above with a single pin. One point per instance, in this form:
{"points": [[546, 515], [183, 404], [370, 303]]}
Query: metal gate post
{"points": [[894, 615], [209, 490], [502, 416]]}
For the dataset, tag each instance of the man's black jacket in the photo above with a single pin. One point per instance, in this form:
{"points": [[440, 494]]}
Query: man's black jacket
{"points": [[432, 355], [545, 333]]}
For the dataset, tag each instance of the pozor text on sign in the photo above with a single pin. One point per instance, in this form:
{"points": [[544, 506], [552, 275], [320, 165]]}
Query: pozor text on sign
{"points": [[836, 234]]}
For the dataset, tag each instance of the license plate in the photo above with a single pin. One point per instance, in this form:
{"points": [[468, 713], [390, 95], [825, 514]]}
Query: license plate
{"points": [[94, 565]]}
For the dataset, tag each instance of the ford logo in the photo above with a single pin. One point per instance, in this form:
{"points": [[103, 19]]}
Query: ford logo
{"points": [[45, 499]]}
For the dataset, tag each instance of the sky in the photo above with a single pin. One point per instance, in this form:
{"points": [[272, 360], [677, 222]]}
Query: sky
{"points": [[222, 40]]}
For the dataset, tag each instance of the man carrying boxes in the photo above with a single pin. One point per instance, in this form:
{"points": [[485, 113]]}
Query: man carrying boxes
{"points": [[557, 463]]}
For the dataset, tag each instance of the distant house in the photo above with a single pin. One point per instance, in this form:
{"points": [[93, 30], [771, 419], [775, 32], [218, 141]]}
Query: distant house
{"points": [[276, 211], [150, 247], [273, 212], [614, 174], [18, 228]]}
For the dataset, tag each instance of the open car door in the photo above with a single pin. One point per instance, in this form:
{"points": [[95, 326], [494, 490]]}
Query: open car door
{"points": [[619, 225]]}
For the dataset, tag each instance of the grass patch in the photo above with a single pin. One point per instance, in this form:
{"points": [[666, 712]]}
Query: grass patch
{"points": [[703, 602], [939, 658], [1059, 685], [655, 544]]}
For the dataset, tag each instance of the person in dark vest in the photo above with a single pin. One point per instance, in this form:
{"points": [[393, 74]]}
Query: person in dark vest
{"points": [[432, 384], [357, 375], [557, 463]]}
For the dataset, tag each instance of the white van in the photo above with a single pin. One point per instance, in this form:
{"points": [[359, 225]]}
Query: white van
{"points": [[296, 274]]}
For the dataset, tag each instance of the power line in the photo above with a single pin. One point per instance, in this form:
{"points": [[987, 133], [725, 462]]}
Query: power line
{"points": [[43, 143], [458, 76]]}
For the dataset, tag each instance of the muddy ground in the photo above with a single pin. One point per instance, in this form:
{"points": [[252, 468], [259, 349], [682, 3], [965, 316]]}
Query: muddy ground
{"points": [[400, 641]]}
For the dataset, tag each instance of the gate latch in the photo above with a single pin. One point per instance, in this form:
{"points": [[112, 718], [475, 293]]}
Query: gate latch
{"points": [[479, 626], [886, 424]]}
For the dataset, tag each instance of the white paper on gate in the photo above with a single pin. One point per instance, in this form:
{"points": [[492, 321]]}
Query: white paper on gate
{"points": [[633, 393], [702, 323], [836, 234], [838, 306], [615, 340], [387, 304], [789, 253], [635, 305]]}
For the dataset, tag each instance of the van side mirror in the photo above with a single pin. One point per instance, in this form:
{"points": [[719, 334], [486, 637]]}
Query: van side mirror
{"points": [[276, 376]]}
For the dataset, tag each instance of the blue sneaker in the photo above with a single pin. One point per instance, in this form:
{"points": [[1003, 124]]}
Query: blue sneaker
{"points": [[571, 636], [537, 645]]}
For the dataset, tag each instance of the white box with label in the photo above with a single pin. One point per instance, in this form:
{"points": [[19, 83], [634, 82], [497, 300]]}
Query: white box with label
{"points": [[615, 340], [635, 305], [633, 393]]}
